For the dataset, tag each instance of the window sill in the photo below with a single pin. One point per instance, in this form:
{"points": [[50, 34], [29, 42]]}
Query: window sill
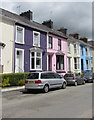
{"points": [[60, 71], [19, 43]]}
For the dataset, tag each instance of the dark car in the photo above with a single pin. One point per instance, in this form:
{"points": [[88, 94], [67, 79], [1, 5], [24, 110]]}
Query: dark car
{"points": [[74, 79], [89, 77]]}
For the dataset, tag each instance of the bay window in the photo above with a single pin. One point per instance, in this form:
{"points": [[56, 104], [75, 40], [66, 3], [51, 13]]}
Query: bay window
{"points": [[36, 60], [59, 62]]}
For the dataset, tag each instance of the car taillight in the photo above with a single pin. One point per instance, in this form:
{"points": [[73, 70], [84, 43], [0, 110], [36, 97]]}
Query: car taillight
{"points": [[38, 81], [26, 81]]}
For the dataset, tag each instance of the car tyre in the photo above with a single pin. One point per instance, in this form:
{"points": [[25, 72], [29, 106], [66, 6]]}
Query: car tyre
{"points": [[46, 88], [93, 81], [84, 82], [75, 83], [64, 85]]}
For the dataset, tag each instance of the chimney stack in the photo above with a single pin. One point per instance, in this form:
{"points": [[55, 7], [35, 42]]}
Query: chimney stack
{"points": [[28, 15], [63, 30], [48, 23], [85, 39], [74, 35]]}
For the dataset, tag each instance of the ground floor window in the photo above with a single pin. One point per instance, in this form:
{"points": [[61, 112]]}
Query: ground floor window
{"points": [[36, 60], [76, 63], [59, 62]]}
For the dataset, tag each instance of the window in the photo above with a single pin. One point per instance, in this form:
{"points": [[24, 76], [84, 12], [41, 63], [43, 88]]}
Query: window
{"points": [[69, 47], [19, 34], [59, 44], [36, 39], [87, 64], [36, 60], [81, 50], [50, 42], [76, 49], [47, 76], [76, 63], [33, 76], [59, 62]]}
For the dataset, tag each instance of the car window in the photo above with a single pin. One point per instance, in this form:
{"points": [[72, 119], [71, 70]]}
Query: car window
{"points": [[68, 75], [57, 75], [47, 75], [93, 74], [33, 76]]}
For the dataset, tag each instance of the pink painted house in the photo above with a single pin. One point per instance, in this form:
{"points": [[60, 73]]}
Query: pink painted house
{"points": [[56, 49], [57, 54]]}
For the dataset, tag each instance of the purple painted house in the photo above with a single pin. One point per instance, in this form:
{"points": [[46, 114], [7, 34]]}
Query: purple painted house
{"points": [[30, 52]]}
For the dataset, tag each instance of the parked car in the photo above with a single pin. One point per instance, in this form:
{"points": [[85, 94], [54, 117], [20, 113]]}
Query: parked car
{"points": [[44, 80], [89, 76], [74, 79]]}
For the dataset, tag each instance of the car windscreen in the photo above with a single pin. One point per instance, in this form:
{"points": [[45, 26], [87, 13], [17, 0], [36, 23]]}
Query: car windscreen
{"points": [[33, 76], [68, 75]]}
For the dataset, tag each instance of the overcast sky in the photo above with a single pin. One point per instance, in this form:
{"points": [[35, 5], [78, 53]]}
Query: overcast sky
{"points": [[75, 16]]}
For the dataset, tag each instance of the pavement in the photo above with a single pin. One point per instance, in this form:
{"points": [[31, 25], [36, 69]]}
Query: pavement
{"points": [[6, 89]]}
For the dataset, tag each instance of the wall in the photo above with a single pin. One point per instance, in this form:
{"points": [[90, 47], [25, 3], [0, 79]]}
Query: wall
{"points": [[7, 38]]}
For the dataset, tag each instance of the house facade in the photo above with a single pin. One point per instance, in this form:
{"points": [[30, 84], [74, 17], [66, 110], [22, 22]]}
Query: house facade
{"points": [[86, 55], [57, 54], [7, 37], [73, 54], [30, 49]]}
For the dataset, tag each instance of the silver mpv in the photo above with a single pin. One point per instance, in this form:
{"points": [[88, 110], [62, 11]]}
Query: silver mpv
{"points": [[44, 80]]}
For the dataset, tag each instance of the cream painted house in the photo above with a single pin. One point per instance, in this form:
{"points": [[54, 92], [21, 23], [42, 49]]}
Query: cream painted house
{"points": [[73, 55], [7, 37]]}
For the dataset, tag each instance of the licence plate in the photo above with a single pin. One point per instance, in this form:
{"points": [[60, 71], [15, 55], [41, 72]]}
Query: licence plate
{"points": [[31, 81]]}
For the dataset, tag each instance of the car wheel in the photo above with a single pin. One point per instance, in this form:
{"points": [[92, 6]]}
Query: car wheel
{"points": [[75, 83], [64, 85], [46, 88], [84, 82], [93, 81]]}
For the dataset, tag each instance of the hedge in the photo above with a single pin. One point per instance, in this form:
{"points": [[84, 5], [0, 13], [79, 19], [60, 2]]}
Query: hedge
{"points": [[12, 79]]}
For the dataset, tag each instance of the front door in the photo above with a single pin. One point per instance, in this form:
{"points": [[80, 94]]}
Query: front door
{"points": [[82, 68], [49, 62]]}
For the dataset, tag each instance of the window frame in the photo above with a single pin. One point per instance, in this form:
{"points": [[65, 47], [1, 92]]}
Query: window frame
{"points": [[23, 29], [50, 42], [38, 38], [35, 59], [59, 44], [60, 62], [77, 63]]}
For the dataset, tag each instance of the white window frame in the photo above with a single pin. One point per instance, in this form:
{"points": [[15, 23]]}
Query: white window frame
{"points": [[35, 68], [23, 35], [88, 66], [78, 63], [69, 49], [76, 49], [38, 40], [18, 49]]}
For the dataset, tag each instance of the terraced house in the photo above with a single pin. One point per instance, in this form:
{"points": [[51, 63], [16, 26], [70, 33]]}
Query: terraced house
{"points": [[73, 53], [31, 46]]}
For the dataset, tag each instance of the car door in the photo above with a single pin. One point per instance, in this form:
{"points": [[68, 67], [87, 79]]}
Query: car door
{"points": [[59, 80]]}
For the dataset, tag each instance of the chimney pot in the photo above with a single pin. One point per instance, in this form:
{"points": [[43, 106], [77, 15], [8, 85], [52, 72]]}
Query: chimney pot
{"points": [[48, 23]]}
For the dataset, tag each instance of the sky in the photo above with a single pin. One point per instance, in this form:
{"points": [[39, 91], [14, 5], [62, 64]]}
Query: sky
{"points": [[75, 16]]}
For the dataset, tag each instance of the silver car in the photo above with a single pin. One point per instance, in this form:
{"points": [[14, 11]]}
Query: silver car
{"points": [[44, 80]]}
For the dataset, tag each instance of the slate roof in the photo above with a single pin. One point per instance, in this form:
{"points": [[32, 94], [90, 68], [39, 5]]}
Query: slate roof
{"points": [[21, 20]]}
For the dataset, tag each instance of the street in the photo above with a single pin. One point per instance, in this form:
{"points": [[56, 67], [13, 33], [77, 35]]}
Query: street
{"points": [[72, 102]]}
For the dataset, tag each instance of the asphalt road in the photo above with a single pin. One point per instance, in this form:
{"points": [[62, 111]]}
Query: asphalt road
{"points": [[72, 102]]}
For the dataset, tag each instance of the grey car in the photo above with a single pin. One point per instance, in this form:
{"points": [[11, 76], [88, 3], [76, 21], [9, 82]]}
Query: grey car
{"points": [[44, 81], [74, 79]]}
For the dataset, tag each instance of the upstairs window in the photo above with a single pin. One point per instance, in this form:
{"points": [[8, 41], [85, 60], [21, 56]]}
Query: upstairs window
{"points": [[19, 35], [69, 48], [50, 42], [36, 39], [76, 49], [59, 44], [81, 50]]}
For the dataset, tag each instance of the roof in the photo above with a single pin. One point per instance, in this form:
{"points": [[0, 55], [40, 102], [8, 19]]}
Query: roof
{"points": [[32, 24], [80, 41]]}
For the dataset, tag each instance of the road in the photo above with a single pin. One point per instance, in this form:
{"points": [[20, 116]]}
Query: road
{"points": [[72, 102]]}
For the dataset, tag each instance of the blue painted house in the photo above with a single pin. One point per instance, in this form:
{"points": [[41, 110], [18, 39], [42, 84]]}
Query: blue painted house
{"points": [[86, 55]]}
